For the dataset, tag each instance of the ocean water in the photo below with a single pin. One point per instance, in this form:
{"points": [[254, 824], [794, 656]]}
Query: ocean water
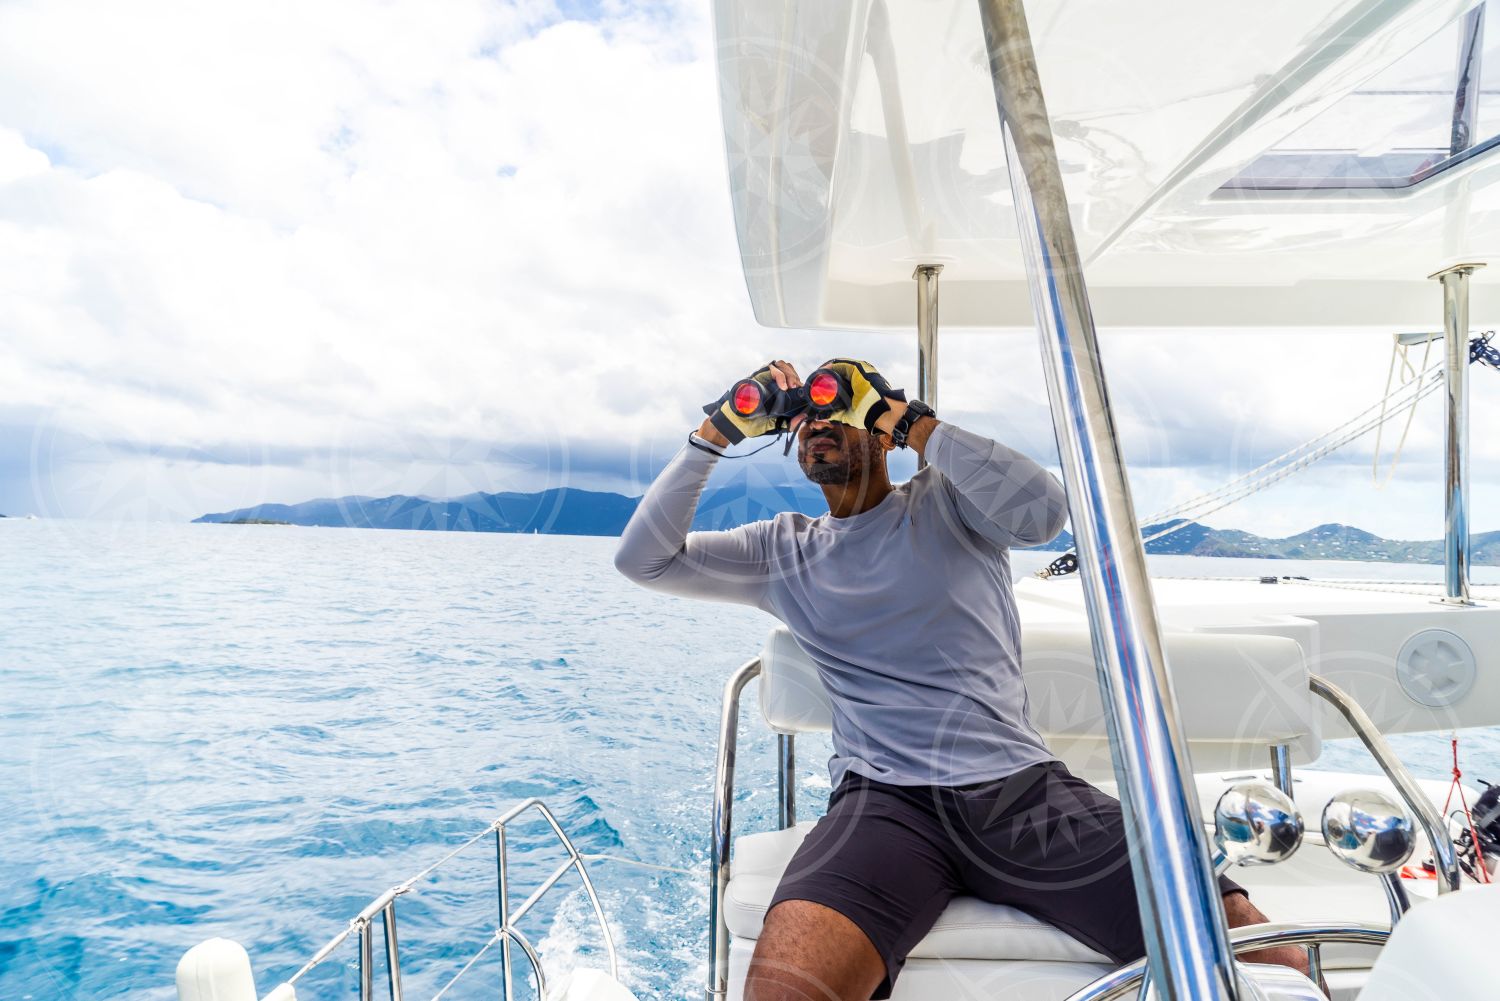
{"points": [[251, 731]]}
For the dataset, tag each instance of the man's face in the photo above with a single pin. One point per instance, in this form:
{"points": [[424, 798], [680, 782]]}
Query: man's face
{"points": [[835, 454]]}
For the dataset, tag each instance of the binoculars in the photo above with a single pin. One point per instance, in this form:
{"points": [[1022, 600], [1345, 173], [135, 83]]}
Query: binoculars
{"points": [[824, 393]]}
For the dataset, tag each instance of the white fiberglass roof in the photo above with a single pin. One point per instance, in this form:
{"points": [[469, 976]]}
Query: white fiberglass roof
{"points": [[1287, 163]]}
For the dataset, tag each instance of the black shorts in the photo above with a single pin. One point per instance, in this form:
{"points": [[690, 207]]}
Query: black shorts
{"points": [[889, 858]]}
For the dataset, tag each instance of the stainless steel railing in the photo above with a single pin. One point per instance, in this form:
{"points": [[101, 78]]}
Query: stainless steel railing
{"points": [[362, 926], [1127, 980], [1444, 855], [723, 827]]}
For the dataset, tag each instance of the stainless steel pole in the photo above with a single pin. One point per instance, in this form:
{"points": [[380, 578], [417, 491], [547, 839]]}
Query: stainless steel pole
{"points": [[1281, 769], [366, 962], [926, 276], [1455, 282], [786, 780], [1187, 941], [723, 832], [392, 951], [502, 880]]}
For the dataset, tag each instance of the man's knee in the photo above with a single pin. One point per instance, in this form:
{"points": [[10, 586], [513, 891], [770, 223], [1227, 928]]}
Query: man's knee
{"points": [[809, 952]]}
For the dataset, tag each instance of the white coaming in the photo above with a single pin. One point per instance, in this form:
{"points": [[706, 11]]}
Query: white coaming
{"points": [[1154, 104], [1352, 636]]}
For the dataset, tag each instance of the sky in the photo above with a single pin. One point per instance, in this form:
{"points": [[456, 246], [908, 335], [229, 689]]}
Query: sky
{"points": [[277, 251]]}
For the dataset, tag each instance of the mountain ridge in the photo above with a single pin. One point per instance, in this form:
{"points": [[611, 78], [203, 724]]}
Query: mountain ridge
{"points": [[572, 511]]}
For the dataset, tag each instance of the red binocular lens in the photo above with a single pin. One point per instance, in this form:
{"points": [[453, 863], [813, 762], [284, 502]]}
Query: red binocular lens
{"points": [[746, 398], [823, 388]]}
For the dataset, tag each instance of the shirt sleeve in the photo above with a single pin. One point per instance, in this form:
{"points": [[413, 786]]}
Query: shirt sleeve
{"points": [[658, 551], [1000, 494]]}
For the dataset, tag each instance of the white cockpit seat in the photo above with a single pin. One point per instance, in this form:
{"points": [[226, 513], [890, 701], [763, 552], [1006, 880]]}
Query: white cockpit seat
{"points": [[1311, 887], [968, 929], [1237, 694]]}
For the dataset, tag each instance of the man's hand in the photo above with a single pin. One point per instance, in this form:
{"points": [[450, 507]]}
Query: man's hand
{"points": [[870, 395], [725, 427]]}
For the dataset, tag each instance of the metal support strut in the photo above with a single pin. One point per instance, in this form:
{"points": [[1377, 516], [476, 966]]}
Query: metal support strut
{"points": [[723, 830], [926, 276], [1187, 939], [1455, 282], [927, 332], [786, 780]]}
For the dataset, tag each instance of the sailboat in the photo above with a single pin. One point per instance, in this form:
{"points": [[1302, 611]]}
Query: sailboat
{"points": [[1052, 168]]}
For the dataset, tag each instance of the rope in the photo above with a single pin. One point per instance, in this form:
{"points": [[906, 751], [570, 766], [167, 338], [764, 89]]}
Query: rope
{"points": [[1221, 499], [1482, 874], [1410, 375], [1293, 453], [1415, 387]]}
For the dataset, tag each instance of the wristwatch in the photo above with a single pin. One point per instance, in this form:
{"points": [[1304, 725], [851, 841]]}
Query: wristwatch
{"points": [[915, 409]]}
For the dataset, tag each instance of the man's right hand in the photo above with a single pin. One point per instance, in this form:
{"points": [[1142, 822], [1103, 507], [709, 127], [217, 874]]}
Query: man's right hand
{"points": [[726, 427]]}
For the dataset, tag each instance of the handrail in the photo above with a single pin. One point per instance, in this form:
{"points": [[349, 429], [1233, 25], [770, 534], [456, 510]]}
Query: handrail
{"points": [[723, 828], [1443, 853], [1247, 938], [385, 906]]}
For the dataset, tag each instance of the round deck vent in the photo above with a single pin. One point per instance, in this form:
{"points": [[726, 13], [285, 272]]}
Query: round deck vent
{"points": [[1435, 668]]}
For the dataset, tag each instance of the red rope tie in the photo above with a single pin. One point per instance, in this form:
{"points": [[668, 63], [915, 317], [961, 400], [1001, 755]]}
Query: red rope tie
{"points": [[1484, 873]]}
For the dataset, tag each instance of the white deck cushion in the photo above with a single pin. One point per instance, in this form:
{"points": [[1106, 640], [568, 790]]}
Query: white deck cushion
{"points": [[968, 929], [1237, 693]]}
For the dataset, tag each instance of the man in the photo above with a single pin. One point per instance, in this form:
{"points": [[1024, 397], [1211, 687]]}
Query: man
{"points": [[902, 596]]}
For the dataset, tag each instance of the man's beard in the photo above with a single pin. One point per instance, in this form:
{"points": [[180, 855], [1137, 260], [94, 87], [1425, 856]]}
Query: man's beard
{"points": [[827, 473]]}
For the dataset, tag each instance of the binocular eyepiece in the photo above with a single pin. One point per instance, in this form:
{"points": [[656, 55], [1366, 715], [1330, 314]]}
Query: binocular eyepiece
{"points": [[825, 393]]}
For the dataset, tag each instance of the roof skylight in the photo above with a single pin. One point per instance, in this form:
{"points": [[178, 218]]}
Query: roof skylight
{"points": [[1433, 108]]}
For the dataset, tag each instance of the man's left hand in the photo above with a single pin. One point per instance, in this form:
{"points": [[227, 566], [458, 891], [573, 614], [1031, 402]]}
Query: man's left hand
{"points": [[871, 397]]}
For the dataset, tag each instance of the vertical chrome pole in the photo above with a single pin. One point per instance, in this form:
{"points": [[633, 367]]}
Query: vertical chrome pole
{"points": [[1395, 896], [723, 832], [1182, 915], [926, 276], [392, 953], [1466, 95], [1281, 769], [786, 780], [504, 905], [1456, 431], [366, 962]]}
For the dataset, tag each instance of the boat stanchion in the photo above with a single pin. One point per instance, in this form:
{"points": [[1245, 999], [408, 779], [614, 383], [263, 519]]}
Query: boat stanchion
{"points": [[366, 961], [392, 951], [722, 837], [1455, 282]]}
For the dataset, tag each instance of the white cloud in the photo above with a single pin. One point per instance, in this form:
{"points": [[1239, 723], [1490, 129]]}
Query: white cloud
{"points": [[398, 242]]}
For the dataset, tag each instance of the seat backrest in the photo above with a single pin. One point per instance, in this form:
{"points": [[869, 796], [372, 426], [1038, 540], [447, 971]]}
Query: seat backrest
{"points": [[1237, 694]]}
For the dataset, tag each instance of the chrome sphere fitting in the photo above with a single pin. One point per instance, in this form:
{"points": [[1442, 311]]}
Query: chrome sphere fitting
{"points": [[1369, 830], [1256, 824]]}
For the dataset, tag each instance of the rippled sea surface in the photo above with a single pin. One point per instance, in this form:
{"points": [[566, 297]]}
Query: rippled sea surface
{"points": [[250, 731]]}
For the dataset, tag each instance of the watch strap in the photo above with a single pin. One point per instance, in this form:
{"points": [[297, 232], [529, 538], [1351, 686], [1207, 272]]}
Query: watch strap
{"points": [[915, 411]]}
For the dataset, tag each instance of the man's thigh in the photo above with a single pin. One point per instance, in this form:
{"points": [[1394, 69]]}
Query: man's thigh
{"points": [[880, 859], [1050, 844]]}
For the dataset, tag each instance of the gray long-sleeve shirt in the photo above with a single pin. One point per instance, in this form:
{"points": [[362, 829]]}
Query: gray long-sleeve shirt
{"points": [[906, 608]]}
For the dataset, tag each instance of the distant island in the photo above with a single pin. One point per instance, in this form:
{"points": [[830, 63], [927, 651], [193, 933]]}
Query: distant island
{"points": [[568, 511]]}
